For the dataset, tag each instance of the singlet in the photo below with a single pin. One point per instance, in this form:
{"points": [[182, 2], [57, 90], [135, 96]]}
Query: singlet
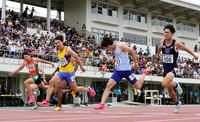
{"points": [[65, 64], [32, 67], [169, 56], [122, 61]]}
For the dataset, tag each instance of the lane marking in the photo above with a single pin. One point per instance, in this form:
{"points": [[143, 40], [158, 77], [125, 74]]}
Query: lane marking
{"points": [[168, 120], [77, 118]]}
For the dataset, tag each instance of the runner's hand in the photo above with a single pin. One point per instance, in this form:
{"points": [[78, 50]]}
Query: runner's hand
{"points": [[196, 57], [10, 73], [82, 68], [45, 82], [52, 74]]}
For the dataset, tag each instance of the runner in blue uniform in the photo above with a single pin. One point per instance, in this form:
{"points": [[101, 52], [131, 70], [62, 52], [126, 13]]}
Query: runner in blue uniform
{"points": [[169, 48], [122, 67]]}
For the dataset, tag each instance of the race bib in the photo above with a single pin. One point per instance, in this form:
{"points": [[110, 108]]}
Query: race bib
{"points": [[131, 77], [31, 67], [63, 62], [167, 58]]}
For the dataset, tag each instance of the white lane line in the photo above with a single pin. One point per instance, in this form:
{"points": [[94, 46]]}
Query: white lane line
{"points": [[36, 116], [172, 120], [158, 113], [77, 118]]}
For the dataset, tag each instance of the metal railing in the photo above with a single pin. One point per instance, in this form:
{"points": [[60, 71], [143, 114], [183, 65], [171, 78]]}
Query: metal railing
{"points": [[8, 57]]}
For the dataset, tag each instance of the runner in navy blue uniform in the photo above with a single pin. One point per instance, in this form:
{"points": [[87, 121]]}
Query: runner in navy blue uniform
{"points": [[169, 48]]}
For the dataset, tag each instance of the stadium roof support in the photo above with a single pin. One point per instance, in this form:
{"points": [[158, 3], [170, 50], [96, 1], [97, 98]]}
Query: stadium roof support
{"points": [[59, 15], [48, 6], [21, 7], [3, 12], [48, 14], [56, 4]]}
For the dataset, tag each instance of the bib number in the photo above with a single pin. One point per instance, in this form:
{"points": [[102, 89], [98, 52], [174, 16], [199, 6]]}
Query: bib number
{"points": [[31, 67], [63, 62], [168, 58], [131, 77]]}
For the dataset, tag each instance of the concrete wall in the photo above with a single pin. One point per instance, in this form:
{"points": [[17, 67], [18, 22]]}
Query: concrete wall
{"points": [[75, 13], [83, 78], [78, 12], [8, 67], [91, 23]]}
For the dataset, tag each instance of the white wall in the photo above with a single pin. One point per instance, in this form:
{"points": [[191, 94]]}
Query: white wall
{"points": [[7, 67], [80, 11], [75, 13], [120, 29]]}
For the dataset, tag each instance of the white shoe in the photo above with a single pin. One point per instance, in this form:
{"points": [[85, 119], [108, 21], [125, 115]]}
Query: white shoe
{"points": [[177, 109], [179, 89]]}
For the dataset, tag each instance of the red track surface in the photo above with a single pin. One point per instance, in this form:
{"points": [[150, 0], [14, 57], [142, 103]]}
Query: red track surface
{"points": [[110, 114]]}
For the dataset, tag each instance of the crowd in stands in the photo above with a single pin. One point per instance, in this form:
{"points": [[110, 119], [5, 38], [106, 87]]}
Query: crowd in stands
{"points": [[14, 39]]}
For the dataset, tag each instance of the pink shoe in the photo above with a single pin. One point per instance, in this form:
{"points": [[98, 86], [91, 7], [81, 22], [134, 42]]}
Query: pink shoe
{"points": [[99, 106], [43, 103], [91, 92], [31, 99]]}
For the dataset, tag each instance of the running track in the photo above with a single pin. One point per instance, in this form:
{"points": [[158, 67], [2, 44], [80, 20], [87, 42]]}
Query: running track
{"points": [[110, 114]]}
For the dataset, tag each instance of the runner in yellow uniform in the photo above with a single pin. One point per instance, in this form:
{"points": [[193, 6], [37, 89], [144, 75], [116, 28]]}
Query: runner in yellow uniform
{"points": [[66, 71]]}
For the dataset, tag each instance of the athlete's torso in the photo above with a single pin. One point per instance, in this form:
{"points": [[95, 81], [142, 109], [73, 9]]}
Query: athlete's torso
{"points": [[65, 63], [32, 67], [169, 56], [122, 61]]}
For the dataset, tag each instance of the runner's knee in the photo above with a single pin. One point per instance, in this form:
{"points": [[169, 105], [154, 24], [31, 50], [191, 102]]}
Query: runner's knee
{"points": [[58, 91], [26, 83], [137, 85], [109, 86], [51, 83], [164, 84]]}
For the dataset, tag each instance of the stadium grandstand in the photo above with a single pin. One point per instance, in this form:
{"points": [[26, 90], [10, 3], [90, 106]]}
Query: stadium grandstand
{"points": [[139, 23]]}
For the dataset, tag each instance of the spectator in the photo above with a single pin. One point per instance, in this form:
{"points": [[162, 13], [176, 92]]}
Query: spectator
{"points": [[32, 12], [195, 75], [12, 42], [3, 88], [195, 48]]}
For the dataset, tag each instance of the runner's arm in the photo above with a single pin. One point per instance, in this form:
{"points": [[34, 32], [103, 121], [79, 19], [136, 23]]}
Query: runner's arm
{"points": [[183, 47], [159, 49], [57, 69], [124, 47], [75, 56], [43, 61], [75, 64], [18, 69]]}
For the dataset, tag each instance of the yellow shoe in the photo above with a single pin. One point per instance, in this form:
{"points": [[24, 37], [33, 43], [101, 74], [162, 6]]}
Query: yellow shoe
{"points": [[58, 109]]}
